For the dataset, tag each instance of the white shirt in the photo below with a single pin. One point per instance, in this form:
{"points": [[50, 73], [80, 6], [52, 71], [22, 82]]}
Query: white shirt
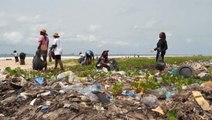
{"points": [[58, 50], [15, 54]]}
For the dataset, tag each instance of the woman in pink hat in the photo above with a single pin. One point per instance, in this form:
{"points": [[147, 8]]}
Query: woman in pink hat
{"points": [[43, 45]]}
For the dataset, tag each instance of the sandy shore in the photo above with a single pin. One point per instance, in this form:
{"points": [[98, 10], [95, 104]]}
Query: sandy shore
{"points": [[11, 63]]}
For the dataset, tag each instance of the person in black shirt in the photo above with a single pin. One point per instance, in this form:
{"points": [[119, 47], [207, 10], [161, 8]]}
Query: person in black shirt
{"points": [[161, 46]]}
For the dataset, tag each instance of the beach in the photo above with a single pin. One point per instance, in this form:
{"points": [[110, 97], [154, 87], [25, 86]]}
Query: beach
{"points": [[11, 63]]}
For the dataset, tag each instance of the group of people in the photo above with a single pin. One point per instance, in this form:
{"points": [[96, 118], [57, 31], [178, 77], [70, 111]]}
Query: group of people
{"points": [[55, 52], [86, 58], [103, 61], [21, 56]]}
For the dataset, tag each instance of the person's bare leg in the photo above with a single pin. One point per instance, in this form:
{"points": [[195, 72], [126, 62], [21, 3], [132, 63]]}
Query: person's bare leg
{"points": [[44, 59], [61, 64], [56, 62]]}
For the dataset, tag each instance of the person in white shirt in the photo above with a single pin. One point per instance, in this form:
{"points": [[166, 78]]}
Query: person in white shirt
{"points": [[82, 58], [57, 47], [15, 54]]}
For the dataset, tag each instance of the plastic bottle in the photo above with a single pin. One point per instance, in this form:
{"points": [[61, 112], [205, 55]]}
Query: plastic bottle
{"points": [[70, 88], [63, 75], [89, 89], [128, 92]]}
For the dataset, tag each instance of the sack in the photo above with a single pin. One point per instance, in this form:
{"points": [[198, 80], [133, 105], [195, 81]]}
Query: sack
{"points": [[160, 63], [43, 47], [37, 63], [52, 54]]}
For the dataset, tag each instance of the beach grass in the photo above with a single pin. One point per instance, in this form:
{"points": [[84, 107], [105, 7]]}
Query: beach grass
{"points": [[132, 66]]}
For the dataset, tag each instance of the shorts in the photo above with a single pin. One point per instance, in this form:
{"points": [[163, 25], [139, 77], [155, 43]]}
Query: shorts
{"points": [[57, 57]]}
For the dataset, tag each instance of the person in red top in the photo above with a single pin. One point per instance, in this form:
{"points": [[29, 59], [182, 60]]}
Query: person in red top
{"points": [[43, 45]]}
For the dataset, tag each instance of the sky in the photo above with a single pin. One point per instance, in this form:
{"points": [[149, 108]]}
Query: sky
{"points": [[121, 26]]}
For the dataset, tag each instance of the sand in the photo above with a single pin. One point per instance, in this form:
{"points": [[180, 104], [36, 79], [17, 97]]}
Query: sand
{"points": [[11, 63]]}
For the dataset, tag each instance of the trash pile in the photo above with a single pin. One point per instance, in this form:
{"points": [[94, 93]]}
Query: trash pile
{"points": [[67, 96]]}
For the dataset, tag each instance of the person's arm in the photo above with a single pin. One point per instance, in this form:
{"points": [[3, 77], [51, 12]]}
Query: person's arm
{"points": [[165, 46], [54, 44], [40, 42], [157, 46]]}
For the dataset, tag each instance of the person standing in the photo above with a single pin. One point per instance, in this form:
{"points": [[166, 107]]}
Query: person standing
{"points": [[43, 45], [57, 47], [22, 58], [161, 46], [15, 54]]}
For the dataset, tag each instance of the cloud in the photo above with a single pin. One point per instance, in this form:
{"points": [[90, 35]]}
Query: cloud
{"points": [[3, 23], [13, 37], [120, 43], [79, 38], [29, 19], [112, 44], [189, 40], [149, 24], [135, 27], [89, 38], [94, 28]]}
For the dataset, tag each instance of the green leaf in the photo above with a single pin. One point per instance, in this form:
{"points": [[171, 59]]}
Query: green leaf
{"points": [[172, 115]]}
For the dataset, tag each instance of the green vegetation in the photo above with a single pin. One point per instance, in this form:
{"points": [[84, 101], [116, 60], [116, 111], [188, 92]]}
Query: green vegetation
{"points": [[172, 115], [132, 67], [117, 88]]}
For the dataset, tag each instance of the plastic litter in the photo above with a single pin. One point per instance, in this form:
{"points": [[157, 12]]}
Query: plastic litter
{"points": [[201, 101], [45, 93], [173, 71], [69, 88], [43, 107], [159, 110], [202, 74], [128, 92], [89, 89], [39, 80], [32, 102], [72, 78], [63, 75], [168, 94]]}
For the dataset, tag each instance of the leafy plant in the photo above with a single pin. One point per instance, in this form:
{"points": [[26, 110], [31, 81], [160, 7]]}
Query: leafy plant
{"points": [[117, 88], [172, 115]]}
